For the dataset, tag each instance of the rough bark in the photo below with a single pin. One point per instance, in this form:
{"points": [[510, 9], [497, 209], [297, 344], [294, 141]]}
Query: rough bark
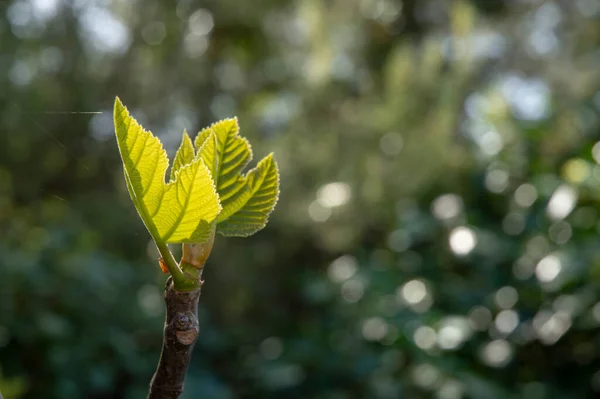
{"points": [[180, 333]]}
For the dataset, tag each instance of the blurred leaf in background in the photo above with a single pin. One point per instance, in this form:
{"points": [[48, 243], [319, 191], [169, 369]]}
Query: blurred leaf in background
{"points": [[13, 388], [437, 230]]}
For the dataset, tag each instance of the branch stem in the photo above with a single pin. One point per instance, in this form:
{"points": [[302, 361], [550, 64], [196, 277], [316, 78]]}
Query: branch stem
{"points": [[180, 280], [180, 333]]}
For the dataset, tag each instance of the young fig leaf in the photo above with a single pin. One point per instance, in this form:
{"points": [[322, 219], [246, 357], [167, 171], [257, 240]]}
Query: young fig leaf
{"points": [[185, 154], [226, 163], [247, 200], [262, 184], [209, 153], [181, 211]]}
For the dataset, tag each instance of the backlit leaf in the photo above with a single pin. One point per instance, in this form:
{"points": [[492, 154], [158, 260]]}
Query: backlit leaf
{"points": [[189, 207], [226, 163], [262, 188], [184, 209], [185, 154]]}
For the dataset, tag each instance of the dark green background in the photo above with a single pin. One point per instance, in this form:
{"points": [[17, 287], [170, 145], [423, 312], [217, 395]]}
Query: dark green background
{"points": [[445, 126]]}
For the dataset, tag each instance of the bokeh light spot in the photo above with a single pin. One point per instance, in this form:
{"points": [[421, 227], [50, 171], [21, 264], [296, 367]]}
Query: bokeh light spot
{"points": [[154, 33], [496, 180], [342, 268], [549, 326], [506, 321], [480, 318], [335, 194], [462, 240], [416, 295], [318, 212], [496, 353], [453, 332], [548, 268], [414, 291], [506, 297], [560, 232], [561, 202], [352, 290], [374, 329], [525, 195], [576, 170], [447, 206], [425, 337], [426, 375], [103, 31], [399, 240], [201, 22]]}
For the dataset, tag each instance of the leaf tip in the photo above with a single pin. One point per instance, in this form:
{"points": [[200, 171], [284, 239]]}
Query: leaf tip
{"points": [[118, 107], [186, 138], [120, 111]]}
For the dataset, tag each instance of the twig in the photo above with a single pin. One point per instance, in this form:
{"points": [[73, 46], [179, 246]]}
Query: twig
{"points": [[179, 336]]}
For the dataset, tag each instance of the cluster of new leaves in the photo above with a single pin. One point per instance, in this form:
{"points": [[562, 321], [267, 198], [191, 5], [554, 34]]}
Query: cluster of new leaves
{"points": [[207, 189]]}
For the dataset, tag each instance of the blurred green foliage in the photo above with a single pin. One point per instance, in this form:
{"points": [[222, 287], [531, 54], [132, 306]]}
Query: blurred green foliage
{"points": [[12, 388], [436, 235]]}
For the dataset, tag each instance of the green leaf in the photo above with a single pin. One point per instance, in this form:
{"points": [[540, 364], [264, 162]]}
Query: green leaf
{"points": [[262, 186], [226, 161], [145, 163], [185, 154], [184, 209], [190, 205], [202, 136], [208, 152]]}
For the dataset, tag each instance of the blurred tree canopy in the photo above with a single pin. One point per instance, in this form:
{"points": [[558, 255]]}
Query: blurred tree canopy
{"points": [[437, 231]]}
